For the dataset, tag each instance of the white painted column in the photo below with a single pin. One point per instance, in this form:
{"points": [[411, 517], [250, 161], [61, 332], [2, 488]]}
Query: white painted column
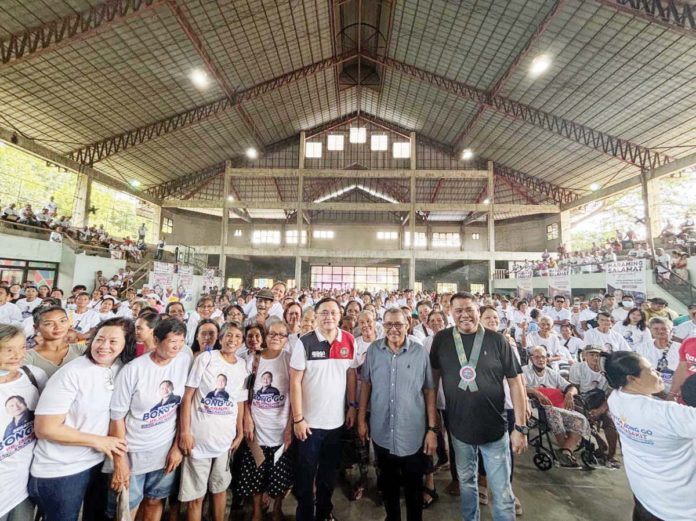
{"points": [[224, 228], [300, 216], [412, 215], [491, 226], [83, 193]]}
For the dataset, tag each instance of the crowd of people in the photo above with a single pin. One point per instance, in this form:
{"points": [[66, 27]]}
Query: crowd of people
{"points": [[116, 404], [62, 225]]}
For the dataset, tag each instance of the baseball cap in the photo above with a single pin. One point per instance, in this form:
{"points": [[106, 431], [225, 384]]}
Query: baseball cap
{"points": [[265, 294], [692, 305], [594, 348]]}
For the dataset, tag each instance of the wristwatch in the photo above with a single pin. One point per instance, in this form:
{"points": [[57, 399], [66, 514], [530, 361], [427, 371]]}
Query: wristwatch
{"points": [[435, 429], [354, 405], [523, 429]]}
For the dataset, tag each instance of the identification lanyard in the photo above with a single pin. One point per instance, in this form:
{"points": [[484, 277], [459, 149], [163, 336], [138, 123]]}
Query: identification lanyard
{"points": [[467, 373]]}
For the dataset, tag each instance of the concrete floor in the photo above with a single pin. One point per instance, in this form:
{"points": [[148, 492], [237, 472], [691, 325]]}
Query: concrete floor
{"points": [[555, 495]]}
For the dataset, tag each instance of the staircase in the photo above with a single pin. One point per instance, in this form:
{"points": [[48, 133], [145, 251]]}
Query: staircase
{"points": [[680, 288]]}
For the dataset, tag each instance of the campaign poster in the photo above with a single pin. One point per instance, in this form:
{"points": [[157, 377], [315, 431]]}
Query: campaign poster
{"points": [[161, 282], [525, 286], [163, 267], [627, 277], [559, 283], [184, 290]]}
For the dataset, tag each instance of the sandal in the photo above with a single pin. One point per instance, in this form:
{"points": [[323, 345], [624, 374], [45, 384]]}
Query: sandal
{"points": [[357, 492], [567, 459], [433, 495], [483, 495]]}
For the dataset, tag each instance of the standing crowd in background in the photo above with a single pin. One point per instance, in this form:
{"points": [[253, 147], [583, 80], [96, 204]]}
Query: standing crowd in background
{"points": [[118, 405]]}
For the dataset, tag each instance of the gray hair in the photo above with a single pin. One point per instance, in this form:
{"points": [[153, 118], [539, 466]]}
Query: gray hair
{"points": [[394, 311], [535, 349], [367, 313], [8, 332], [660, 320]]}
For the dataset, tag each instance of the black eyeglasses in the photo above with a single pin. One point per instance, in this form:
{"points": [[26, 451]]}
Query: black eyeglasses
{"points": [[276, 335]]}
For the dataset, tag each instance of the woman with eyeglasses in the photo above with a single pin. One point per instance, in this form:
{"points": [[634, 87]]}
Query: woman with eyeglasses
{"points": [[72, 425], [267, 425], [52, 350]]}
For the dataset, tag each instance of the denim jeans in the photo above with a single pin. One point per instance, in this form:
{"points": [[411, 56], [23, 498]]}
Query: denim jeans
{"points": [[496, 457], [318, 458], [60, 499]]}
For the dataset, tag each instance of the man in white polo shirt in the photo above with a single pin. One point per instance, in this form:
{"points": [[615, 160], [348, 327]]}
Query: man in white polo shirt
{"points": [[322, 371]]}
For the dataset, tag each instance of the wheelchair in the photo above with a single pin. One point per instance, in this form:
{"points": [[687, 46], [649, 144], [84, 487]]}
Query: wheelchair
{"points": [[589, 449]]}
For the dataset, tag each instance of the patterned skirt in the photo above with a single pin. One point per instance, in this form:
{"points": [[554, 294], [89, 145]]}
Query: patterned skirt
{"points": [[562, 420], [274, 480]]}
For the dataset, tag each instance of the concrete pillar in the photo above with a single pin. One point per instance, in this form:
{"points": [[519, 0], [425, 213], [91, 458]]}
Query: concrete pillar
{"points": [[412, 217], [83, 193], [156, 223], [651, 204], [225, 219], [300, 213], [491, 226], [564, 228]]}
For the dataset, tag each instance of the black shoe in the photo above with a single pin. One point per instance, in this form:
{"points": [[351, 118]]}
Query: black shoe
{"points": [[330, 517]]}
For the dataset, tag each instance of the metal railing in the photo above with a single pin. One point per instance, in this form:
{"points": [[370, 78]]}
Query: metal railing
{"points": [[677, 286]]}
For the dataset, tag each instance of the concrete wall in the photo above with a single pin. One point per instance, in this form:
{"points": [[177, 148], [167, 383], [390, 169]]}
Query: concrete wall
{"points": [[72, 269], [529, 235]]}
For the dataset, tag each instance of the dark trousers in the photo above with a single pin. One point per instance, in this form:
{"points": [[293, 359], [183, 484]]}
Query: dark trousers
{"points": [[318, 458], [640, 513], [395, 471]]}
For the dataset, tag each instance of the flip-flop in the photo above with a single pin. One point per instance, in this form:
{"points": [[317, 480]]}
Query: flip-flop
{"points": [[433, 496]]}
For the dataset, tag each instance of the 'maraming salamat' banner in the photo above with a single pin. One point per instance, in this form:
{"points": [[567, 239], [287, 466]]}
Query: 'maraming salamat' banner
{"points": [[559, 283], [627, 278], [525, 286]]}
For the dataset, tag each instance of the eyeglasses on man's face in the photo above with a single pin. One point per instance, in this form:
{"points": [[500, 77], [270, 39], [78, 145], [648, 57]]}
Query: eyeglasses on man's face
{"points": [[276, 335], [394, 325]]}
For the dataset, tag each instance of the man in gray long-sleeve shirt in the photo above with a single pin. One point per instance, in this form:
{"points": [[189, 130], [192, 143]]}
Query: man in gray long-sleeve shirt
{"points": [[397, 383]]}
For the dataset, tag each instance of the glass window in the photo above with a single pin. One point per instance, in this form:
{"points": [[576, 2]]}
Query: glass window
{"points": [[446, 240], [417, 286], [387, 236], [379, 142], [335, 142], [401, 150], [313, 149], [358, 135], [421, 240], [265, 237], [359, 277], [263, 283], [446, 287], [476, 236], [291, 237], [167, 225], [552, 232], [323, 234], [238, 233], [477, 288], [234, 282]]}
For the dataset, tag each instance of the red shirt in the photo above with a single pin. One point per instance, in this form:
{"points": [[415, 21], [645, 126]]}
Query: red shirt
{"points": [[687, 353]]}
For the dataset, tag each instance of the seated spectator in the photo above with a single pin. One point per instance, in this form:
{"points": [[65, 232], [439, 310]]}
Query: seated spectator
{"points": [[555, 394], [9, 213], [51, 207], [43, 218], [588, 377], [56, 235], [26, 216]]}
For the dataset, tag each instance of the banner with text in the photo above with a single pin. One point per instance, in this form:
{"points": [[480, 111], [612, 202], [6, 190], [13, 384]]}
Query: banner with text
{"points": [[627, 278], [525, 287], [559, 283]]}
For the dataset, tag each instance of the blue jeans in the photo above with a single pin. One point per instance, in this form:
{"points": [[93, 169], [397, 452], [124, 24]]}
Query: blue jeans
{"points": [[318, 458], [496, 458], [60, 499], [154, 485]]}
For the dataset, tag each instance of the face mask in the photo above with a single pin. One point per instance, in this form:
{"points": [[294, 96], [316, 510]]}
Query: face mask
{"points": [[627, 303], [3, 373]]}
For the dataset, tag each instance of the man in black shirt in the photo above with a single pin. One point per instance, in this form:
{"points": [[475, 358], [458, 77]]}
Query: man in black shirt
{"points": [[473, 363]]}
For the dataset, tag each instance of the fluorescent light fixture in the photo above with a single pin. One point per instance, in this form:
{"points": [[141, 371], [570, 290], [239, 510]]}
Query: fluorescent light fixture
{"points": [[594, 187], [252, 153], [467, 154], [134, 183], [199, 78], [540, 64], [486, 201], [230, 198]]}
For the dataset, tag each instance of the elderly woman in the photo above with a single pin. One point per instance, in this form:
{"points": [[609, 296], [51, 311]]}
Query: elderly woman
{"points": [[72, 424], [555, 394], [308, 321], [660, 350], [558, 354]]}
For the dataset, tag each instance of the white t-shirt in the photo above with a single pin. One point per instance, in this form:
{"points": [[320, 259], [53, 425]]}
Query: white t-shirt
{"points": [[563, 314], [657, 442], [550, 379], [83, 322], [652, 353], [214, 415], [18, 438], [10, 314], [619, 314], [150, 412], [664, 263], [80, 391], [270, 405], [573, 345], [586, 315], [440, 403], [421, 334], [553, 348], [611, 341], [633, 335], [324, 380], [27, 307], [685, 330], [586, 379]]}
